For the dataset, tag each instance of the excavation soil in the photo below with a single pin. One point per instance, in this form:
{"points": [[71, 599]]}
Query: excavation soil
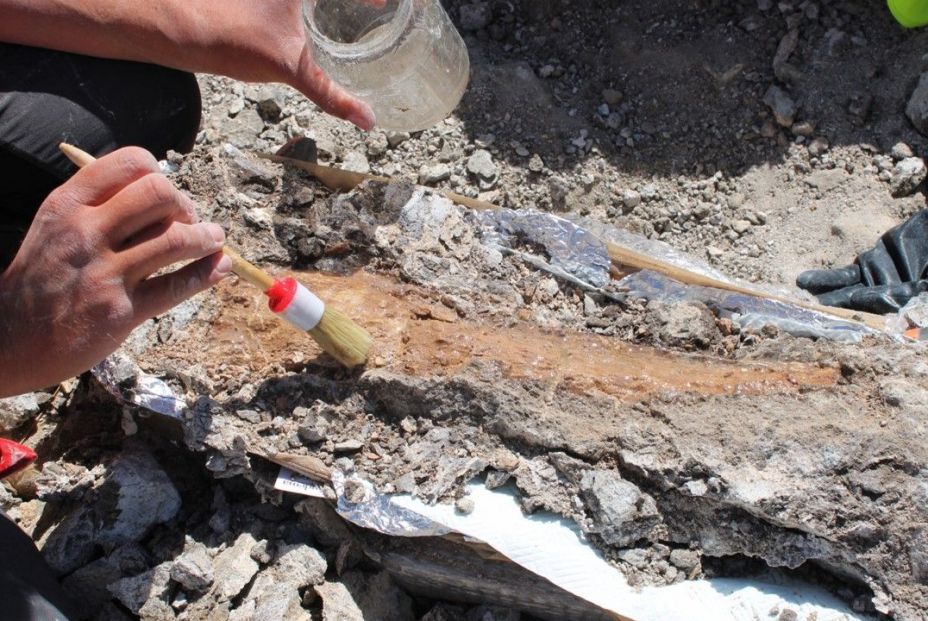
{"points": [[683, 446]]}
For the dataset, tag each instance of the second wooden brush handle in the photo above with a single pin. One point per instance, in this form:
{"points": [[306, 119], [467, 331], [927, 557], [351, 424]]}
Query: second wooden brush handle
{"points": [[245, 270]]}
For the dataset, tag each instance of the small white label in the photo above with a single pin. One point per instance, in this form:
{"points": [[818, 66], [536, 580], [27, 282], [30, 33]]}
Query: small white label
{"points": [[305, 310], [289, 481]]}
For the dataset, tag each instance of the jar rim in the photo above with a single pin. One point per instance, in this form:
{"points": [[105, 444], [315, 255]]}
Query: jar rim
{"points": [[372, 47]]}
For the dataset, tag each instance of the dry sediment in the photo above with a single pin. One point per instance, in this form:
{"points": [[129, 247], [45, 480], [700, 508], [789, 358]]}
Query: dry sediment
{"points": [[808, 456]]}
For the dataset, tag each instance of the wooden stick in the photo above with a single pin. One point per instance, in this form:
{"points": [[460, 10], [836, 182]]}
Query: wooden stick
{"points": [[338, 179], [248, 272]]}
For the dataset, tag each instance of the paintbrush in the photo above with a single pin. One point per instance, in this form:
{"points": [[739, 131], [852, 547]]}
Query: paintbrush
{"points": [[334, 331]]}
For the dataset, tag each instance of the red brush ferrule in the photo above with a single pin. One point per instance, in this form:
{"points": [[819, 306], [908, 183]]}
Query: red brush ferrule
{"points": [[281, 294]]}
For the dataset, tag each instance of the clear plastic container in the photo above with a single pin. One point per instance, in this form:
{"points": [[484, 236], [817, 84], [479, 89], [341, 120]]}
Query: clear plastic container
{"points": [[404, 58]]}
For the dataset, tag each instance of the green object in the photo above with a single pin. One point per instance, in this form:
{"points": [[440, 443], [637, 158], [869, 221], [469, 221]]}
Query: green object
{"points": [[909, 13]]}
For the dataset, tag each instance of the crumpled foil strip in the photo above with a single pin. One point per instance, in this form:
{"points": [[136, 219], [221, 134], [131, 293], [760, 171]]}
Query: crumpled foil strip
{"points": [[571, 248], [748, 312], [123, 378], [378, 512], [579, 255]]}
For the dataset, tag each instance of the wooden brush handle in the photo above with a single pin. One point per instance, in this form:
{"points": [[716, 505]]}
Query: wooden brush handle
{"points": [[245, 270]]}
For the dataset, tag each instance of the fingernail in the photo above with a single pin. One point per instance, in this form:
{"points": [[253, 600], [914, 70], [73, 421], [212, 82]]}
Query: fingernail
{"points": [[224, 267], [363, 117], [219, 236]]}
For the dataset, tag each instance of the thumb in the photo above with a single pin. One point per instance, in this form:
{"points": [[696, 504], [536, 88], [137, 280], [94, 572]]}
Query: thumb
{"points": [[313, 82]]}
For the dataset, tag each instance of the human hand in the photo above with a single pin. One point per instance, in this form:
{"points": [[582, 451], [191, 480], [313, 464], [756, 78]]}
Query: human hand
{"points": [[265, 42], [881, 280], [83, 278]]}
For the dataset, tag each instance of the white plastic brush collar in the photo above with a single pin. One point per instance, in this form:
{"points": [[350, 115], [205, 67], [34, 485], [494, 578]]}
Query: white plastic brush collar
{"points": [[296, 304]]}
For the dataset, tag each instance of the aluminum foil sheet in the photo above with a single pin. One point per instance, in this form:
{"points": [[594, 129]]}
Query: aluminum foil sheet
{"points": [[748, 312], [577, 253], [378, 512], [572, 249], [125, 380]]}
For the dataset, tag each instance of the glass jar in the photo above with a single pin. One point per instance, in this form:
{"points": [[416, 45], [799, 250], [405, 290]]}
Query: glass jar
{"points": [[404, 58]]}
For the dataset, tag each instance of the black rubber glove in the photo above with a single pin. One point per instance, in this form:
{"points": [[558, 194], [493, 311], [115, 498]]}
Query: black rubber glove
{"points": [[881, 280]]}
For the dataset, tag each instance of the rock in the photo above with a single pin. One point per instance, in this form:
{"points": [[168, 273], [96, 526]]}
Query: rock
{"points": [[536, 164], [315, 431], [684, 560], [17, 411], [474, 16], [360, 596], [376, 144], [276, 591], [356, 161], [88, 586], [907, 175], [245, 612], [612, 96], [464, 505], [245, 172], [236, 106], [826, 179], [337, 603], [269, 109], [684, 324], [546, 71], [134, 592], [430, 174], [901, 393], [395, 139], [234, 568], [136, 495], [274, 599], [741, 226], [781, 104], [817, 147], [193, 570], [916, 311], [156, 610], [249, 416], [300, 564], [631, 199], [71, 543], [244, 128], [263, 552], [788, 614], [348, 446], [918, 557], [917, 108], [901, 151], [621, 512], [803, 128], [482, 166], [322, 522]]}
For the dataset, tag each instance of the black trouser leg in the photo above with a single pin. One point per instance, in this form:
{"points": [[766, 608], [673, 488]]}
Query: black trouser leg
{"points": [[28, 588], [99, 105]]}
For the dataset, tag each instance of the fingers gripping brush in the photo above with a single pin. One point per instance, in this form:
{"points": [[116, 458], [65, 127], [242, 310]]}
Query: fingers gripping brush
{"points": [[334, 331]]}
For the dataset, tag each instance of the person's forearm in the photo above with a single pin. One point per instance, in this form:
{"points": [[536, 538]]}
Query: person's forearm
{"points": [[184, 34], [252, 40], [108, 28]]}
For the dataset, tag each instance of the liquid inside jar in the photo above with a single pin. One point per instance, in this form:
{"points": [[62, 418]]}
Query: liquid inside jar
{"points": [[405, 58]]}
